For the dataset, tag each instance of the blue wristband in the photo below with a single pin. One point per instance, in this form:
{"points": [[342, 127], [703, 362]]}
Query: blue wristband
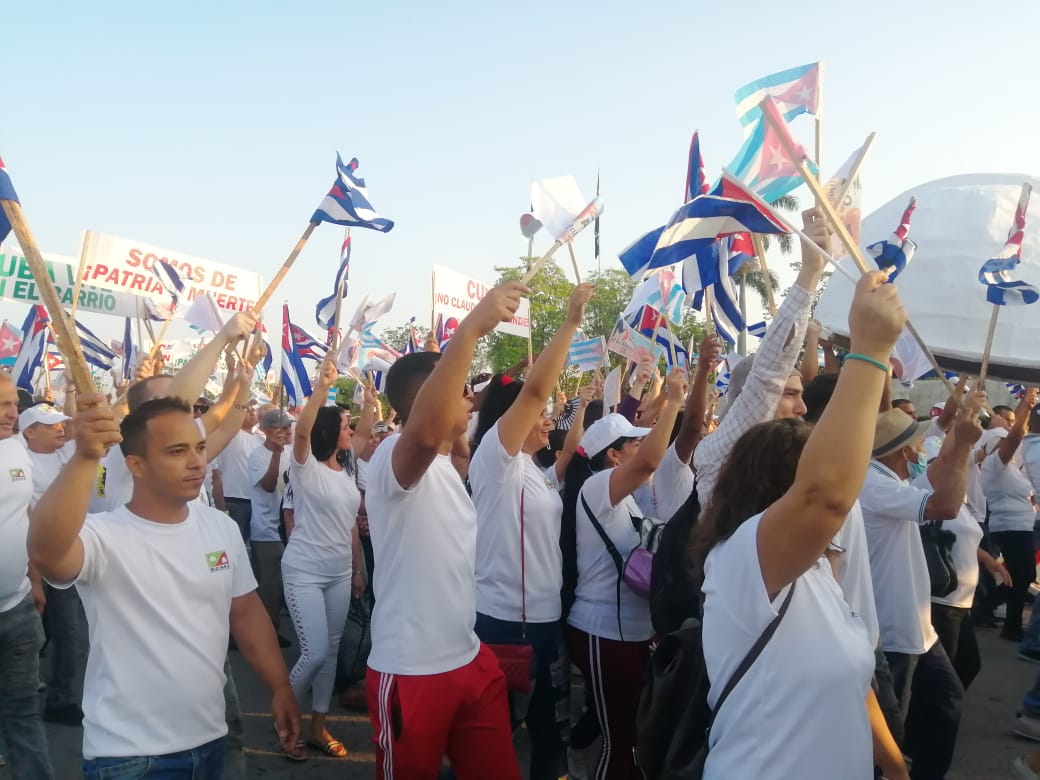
{"points": [[865, 359]]}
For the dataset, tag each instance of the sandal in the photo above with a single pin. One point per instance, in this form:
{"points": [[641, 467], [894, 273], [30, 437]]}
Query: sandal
{"points": [[333, 748], [301, 749]]}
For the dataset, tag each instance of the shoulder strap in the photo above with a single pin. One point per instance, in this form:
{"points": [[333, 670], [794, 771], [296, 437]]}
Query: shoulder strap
{"points": [[523, 573], [752, 655], [614, 555]]}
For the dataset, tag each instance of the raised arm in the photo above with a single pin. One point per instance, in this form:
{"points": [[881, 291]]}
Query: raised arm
{"points": [[516, 423], [229, 411], [953, 404], [795, 530], [55, 548], [327, 374], [189, 382], [369, 414], [429, 426], [810, 368], [1009, 444], [574, 433], [948, 473], [638, 469], [692, 429]]}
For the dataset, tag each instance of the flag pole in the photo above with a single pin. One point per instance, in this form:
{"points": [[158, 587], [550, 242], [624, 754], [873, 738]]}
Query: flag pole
{"points": [[989, 345], [928, 354], [760, 252], [83, 251], [819, 126], [157, 342], [671, 340], [276, 280], [68, 342], [587, 215], [574, 262], [433, 297]]}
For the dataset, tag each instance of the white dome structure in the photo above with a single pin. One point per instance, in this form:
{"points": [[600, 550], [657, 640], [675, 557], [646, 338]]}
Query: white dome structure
{"points": [[960, 222]]}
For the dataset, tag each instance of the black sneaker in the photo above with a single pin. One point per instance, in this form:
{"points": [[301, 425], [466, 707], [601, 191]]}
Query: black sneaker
{"points": [[66, 715]]}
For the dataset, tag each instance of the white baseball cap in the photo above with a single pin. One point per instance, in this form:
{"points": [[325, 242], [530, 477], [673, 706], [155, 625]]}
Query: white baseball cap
{"points": [[41, 413], [605, 431]]}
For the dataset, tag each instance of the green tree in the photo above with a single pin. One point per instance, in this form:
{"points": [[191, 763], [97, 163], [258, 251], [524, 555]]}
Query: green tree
{"points": [[613, 292]]}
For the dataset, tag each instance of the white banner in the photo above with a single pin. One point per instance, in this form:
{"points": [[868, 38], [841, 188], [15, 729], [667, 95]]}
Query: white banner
{"points": [[17, 284], [455, 295], [121, 264]]}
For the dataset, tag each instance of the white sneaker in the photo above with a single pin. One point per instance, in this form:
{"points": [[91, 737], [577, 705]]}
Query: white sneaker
{"points": [[1026, 726], [1020, 770]]}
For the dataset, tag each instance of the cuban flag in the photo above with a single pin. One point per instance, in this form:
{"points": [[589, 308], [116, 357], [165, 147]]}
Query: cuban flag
{"points": [[34, 347], [294, 376], [6, 193], [347, 202], [95, 351], [660, 292], [722, 383], [128, 350], [758, 330], [1001, 290], [307, 347], [374, 354], [268, 359], [696, 183], [764, 163], [899, 250], [665, 343], [411, 345], [725, 312], [325, 312], [588, 355], [796, 91], [169, 279]]}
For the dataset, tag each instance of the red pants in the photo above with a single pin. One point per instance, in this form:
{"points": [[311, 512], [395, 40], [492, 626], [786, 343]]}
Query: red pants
{"points": [[613, 673], [464, 714]]}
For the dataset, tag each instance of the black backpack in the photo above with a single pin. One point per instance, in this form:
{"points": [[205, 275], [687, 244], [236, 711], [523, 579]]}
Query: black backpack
{"points": [[673, 721], [674, 595]]}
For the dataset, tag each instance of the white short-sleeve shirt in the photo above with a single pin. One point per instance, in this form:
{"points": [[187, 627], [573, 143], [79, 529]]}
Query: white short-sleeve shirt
{"points": [[800, 710], [499, 480], [596, 609], [16, 490], [424, 544], [1009, 493], [233, 463], [892, 512], [852, 570], [157, 598], [47, 466], [265, 507]]}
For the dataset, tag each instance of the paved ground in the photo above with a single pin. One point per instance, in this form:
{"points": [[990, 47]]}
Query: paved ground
{"points": [[985, 747]]}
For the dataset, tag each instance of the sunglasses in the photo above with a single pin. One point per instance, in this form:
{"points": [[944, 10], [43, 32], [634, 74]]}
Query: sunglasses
{"points": [[201, 408]]}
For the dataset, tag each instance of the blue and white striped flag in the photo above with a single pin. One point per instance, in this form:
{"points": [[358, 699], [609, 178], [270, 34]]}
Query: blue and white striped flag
{"points": [[169, 279], [758, 330], [724, 309], [1001, 290], [588, 355], [325, 312], [296, 383], [128, 351], [347, 202], [95, 351]]}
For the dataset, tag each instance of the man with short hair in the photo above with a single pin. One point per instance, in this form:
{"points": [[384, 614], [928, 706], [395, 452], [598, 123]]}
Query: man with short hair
{"points": [[21, 632], [44, 429], [265, 469], [905, 405], [163, 579]]}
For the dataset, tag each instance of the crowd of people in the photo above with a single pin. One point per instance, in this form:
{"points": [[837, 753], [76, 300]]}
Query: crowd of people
{"points": [[497, 540]]}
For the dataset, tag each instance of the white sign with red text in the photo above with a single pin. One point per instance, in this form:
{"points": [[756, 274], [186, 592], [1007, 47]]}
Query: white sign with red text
{"points": [[120, 264], [455, 295]]}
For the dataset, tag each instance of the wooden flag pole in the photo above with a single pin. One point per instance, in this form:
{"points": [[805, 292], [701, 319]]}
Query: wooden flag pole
{"points": [[83, 251], [574, 262], [157, 343], [819, 125], [265, 296], [989, 345], [582, 221], [534, 269], [760, 252], [671, 340], [68, 339]]}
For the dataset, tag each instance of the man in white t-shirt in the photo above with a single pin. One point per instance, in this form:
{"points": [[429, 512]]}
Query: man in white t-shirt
{"points": [[21, 633], [433, 688], [44, 430], [929, 692], [265, 472], [232, 488], [163, 580]]}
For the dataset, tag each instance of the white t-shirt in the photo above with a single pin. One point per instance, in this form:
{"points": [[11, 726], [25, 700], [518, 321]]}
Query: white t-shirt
{"points": [[800, 710], [157, 598], [114, 486], [233, 463], [17, 481], [892, 510], [45, 467], [326, 504], [498, 480], [852, 571], [263, 523], [362, 474], [424, 544], [1008, 492], [667, 489], [595, 608], [965, 558]]}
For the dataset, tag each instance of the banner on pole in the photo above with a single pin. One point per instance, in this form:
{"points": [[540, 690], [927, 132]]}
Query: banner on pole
{"points": [[17, 284], [455, 295], [123, 265]]}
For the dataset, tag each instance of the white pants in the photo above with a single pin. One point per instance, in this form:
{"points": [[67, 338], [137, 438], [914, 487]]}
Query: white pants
{"points": [[318, 606]]}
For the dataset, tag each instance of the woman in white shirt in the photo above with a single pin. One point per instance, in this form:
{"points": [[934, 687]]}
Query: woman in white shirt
{"points": [[608, 625], [323, 550], [1009, 494], [518, 561], [805, 707]]}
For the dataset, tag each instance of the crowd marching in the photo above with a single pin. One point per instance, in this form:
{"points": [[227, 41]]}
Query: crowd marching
{"points": [[500, 540]]}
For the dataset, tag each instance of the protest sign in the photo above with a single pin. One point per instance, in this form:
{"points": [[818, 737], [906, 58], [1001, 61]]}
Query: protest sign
{"points": [[455, 295], [17, 284], [120, 264]]}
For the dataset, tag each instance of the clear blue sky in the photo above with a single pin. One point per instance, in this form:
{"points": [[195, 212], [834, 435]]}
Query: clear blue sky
{"points": [[211, 128]]}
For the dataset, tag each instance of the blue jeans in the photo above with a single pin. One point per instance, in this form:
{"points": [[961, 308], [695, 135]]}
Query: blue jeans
{"points": [[202, 763], [21, 725], [545, 709]]}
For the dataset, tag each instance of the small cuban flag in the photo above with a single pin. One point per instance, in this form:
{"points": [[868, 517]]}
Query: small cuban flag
{"points": [[1001, 289]]}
